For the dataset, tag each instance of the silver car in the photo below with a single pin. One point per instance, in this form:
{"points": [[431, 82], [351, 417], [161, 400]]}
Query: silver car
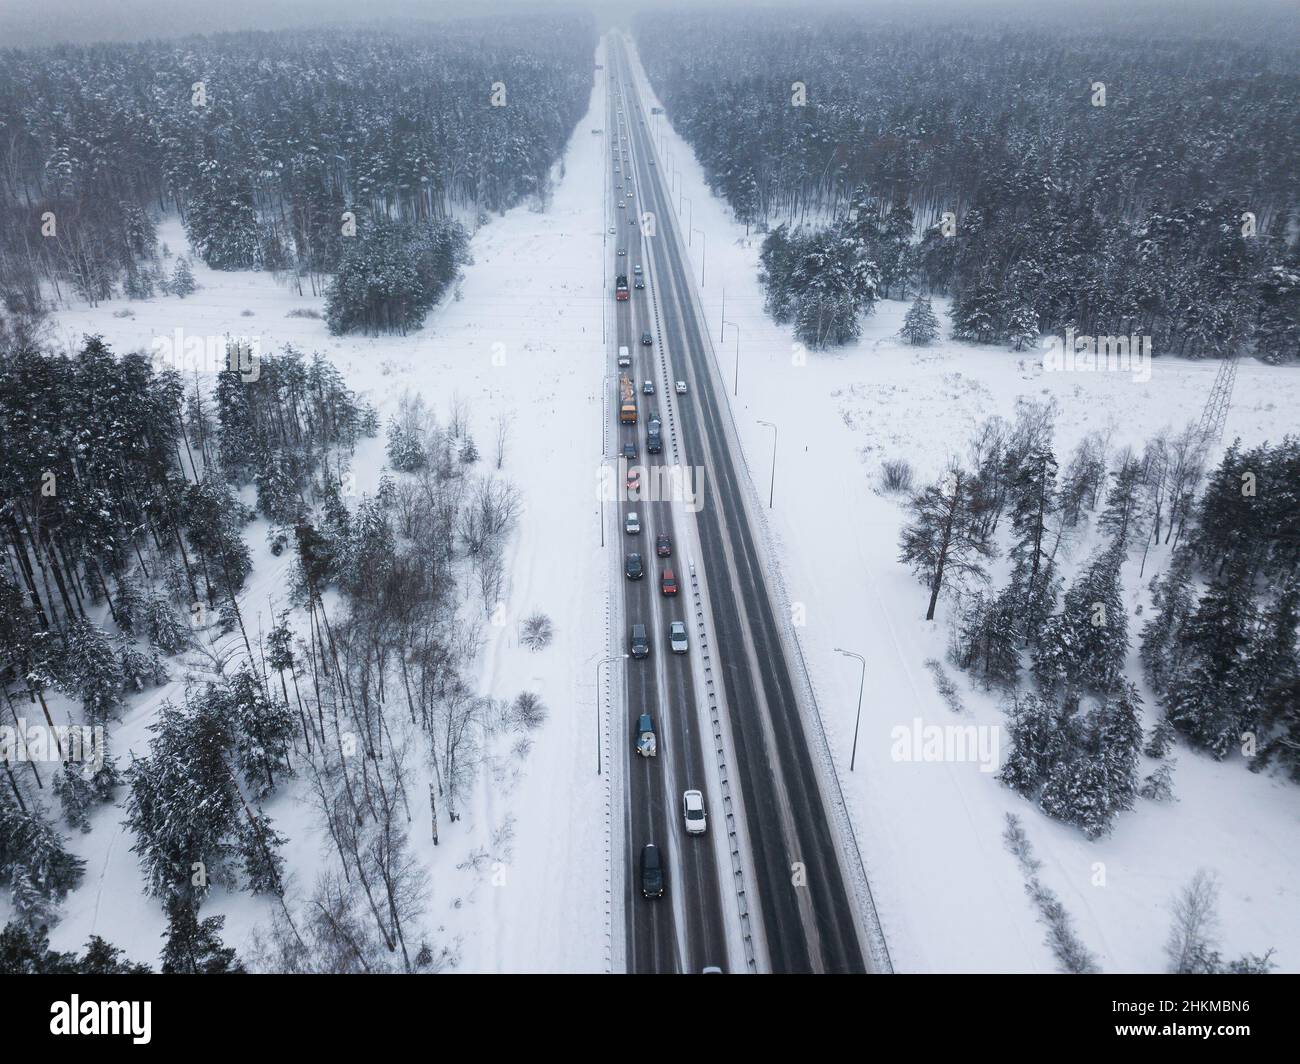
{"points": [[677, 637], [693, 813]]}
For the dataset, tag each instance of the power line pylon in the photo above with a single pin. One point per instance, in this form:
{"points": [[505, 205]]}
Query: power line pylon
{"points": [[1215, 412]]}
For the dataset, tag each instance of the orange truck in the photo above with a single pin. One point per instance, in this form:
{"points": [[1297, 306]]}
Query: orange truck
{"points": [[626, 401]]}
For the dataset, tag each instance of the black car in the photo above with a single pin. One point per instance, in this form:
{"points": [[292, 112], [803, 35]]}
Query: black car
{"points": [[629, 450], [634, 568], [639, 283], [652, 871], [640, 641], [647, 339]]}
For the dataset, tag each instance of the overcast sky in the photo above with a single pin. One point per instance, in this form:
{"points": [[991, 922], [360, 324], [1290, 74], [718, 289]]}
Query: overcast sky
{"points": [[41, 22]]}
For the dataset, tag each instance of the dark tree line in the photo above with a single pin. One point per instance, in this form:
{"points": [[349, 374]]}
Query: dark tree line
{"points": [[1123, 219], [1219, 649], [392, 274], [124, 545], [262, 141]]}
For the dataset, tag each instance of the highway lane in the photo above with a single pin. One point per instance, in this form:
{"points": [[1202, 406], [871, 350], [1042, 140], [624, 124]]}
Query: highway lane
{"points": [[684, 931], [806, 912]]}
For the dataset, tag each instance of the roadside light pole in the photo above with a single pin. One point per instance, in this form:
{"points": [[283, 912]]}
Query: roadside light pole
{"points": [[861, 681], [735, 390], [704, 251], [772, 487]]}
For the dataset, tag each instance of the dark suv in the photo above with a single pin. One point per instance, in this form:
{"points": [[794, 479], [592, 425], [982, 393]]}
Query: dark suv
{"points": [[640, 641], [633, 568], [652, 871]]}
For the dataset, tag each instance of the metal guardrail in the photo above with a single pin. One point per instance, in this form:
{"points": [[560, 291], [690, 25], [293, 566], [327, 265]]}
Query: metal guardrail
{"points": [[720, 752]]}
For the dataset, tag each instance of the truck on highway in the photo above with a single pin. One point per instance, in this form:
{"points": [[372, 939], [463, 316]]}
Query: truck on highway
{"points": [[620, 287], [646, 743], [626, 400], [654, 442]]}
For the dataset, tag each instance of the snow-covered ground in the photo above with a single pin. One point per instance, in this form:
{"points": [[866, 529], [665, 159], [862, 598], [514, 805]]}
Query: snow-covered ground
{"points": [[950, 896], [524, 337], [521, 338]]}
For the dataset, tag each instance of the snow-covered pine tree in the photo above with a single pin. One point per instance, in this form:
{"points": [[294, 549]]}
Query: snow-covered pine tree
{"points": [[1272, 666], [940, 542], [1121, 516], [976, 313], [1084, 646], [920, 325], [1172, 601], [1079, 791], [194, 947], [1031, 486], [81, 787], [1208, 699], [26, 951], [1022, 328], [1083, 479], [182, 281], [406, 453], [1159, 785], [1115, 736], [1042, 735], [994, 641], [90, 670], [1161, 739], [34, 862], [262, 730]]}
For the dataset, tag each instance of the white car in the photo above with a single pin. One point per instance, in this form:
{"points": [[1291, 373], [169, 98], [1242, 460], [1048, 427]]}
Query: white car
{"points": [[621, 205], [693, 811], [612, 230], [677, 637], [681, 387], [632, 524]]}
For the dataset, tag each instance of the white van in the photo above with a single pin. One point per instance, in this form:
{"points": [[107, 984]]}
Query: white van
{"points": [[624, 359]]}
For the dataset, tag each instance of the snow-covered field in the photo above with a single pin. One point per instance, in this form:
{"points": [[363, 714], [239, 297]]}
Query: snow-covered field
{"points": [[951, 897], [522, 338]]}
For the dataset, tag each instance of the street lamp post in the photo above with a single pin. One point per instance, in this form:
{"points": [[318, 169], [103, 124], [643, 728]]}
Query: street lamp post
{"points": [[772, 487], [861, 682], [735, 390], [703, 253]]}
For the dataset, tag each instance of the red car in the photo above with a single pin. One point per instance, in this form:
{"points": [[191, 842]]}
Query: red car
{"points": [[663, 545], [668, 585]]}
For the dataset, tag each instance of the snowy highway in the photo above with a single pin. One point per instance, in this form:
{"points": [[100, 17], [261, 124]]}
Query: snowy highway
{"points": [[796, 888]]}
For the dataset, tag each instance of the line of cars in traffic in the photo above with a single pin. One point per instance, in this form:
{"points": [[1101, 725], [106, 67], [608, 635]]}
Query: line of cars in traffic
{"points": [[652, 868]]}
